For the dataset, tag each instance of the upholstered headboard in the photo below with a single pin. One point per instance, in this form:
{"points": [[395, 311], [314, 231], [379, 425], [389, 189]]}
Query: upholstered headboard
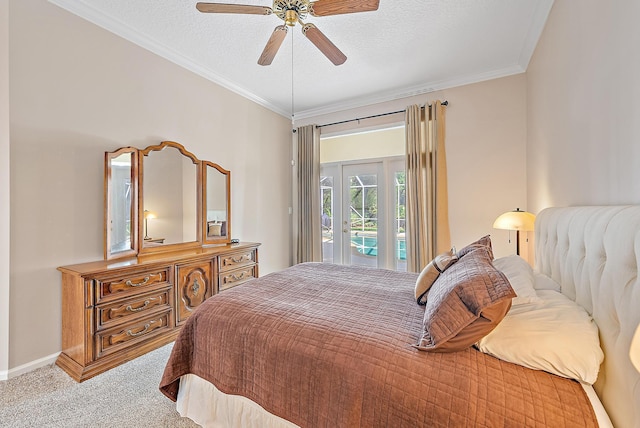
{"points": [[593, 253]]}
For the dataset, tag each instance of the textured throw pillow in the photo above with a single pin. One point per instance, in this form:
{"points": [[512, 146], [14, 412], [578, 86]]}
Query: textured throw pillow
{"points": [[520, 276], [554, 334], [466, 302], [431, 272], [215, 229], [484, 242]]}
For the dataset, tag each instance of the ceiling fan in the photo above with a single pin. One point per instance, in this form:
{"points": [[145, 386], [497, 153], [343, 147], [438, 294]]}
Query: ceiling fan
{"points": [[292, 12]]}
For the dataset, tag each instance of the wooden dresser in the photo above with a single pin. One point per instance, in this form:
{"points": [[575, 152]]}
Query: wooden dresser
{"points": [[114, 311]]}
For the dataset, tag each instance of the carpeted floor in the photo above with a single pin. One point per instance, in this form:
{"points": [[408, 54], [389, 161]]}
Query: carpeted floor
{"points": [[126, 396]]}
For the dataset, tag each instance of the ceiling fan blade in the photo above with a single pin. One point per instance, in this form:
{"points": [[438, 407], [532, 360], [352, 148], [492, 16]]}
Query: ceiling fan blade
{"points": [[338, 7], [233, 8], [324, 44], [273, 44]]}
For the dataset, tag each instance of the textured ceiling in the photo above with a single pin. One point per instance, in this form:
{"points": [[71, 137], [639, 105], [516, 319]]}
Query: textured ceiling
{"points": [[406, 47]]}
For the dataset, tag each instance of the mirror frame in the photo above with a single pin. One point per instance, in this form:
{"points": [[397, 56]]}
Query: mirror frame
{"points": [[225, 239], [108, 191], [137, 203]]}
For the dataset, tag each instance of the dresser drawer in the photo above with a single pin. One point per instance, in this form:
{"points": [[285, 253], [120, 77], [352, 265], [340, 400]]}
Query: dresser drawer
{"points": [[111, 288], [133, 333], [132, 308], [237, 277], [233, 261]]}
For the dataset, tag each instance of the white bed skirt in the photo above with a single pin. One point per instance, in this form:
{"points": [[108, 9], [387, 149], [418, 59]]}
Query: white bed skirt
{"points": [[207, 406], [598, 408]]}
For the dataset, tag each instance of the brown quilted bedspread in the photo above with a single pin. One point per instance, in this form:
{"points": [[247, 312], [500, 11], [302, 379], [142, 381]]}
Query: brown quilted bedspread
{"points": [[330, 346]]}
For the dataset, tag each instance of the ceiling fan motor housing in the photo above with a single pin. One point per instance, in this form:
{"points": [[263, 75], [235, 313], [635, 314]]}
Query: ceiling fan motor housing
{"points": [[290, 11]]}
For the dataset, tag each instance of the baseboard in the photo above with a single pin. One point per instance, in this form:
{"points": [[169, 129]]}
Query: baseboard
{"points": [[25, 368]]}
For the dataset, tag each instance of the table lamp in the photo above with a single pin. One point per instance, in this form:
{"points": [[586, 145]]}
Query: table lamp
{"points": [[147, 215], [517, 220]]}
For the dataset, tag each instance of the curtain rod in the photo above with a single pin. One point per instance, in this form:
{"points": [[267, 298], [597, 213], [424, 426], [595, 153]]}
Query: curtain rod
{"points": [[444, 103]]}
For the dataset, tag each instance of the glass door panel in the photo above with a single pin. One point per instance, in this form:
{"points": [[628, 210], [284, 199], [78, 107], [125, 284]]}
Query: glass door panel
{"points": [[327, 220], [361, 215], [399, 216]]}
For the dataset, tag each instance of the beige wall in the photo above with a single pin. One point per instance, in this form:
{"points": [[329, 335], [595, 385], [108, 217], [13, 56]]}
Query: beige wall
{"points": [[486, 148], [583, 98], [78, 91], [4, 188]]}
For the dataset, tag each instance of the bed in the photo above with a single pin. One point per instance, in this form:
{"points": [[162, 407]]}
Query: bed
{"points": [[328, 345]]}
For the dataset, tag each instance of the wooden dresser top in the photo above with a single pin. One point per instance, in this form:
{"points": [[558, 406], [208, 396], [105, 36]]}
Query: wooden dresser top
{"points": [[155, 259]]}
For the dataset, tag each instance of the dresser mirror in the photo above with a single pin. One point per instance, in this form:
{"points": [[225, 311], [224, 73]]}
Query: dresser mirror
{"points": [[120, 203], [216, 203], [163, 198], [169, 197]]}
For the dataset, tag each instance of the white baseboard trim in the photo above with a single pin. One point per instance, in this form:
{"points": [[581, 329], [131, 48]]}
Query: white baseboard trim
{"points": [[25, 368]]}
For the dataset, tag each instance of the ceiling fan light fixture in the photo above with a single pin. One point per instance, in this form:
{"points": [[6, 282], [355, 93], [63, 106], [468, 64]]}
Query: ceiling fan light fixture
{"points": [[291, 18]]}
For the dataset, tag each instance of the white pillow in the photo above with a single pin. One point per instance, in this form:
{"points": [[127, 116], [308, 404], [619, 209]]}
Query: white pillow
{"points": [[543, 282], [554, 334], [520, 275]]}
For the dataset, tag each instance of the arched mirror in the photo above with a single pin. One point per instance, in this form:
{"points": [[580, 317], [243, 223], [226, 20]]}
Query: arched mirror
{"points": [[217, 206], [163, 198], [120, 203], [169, 196]]}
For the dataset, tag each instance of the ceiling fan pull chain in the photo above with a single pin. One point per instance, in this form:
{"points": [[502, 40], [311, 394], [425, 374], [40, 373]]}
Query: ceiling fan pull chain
{"points": [[292, 86]]}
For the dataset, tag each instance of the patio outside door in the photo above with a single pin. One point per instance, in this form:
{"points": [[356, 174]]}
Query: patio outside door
{"points": [[363, 214]]}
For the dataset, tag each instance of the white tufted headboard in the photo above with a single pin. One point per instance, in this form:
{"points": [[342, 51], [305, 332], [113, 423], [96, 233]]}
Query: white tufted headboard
{"points": [[593, 253]]}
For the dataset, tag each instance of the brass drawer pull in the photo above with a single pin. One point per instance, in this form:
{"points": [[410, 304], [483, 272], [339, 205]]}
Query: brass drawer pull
{"points": [[140, 333], [138, 284], [141, 308], [236, 277], [238, 260]]}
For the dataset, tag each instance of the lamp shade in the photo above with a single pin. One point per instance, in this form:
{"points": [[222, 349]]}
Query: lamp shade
{"points": [[515, 220], [149, 214], [634, 350]]}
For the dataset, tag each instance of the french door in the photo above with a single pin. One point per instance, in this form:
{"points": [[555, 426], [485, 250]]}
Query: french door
{"points": [[363, 213]]}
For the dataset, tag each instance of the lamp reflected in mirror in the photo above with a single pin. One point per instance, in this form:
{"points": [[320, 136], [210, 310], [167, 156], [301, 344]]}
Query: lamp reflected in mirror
{"points": [[147, 215], [517, 220]]}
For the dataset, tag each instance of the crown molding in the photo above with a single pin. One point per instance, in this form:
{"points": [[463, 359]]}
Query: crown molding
{"points": [[410, 91], [535, 31]]}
